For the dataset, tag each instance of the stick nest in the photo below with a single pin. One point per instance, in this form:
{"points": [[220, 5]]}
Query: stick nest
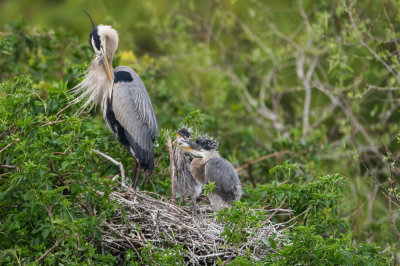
{"points": [[149, 218]]}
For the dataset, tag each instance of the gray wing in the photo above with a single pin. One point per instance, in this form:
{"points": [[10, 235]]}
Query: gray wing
{"points": [[227, 182], [134, 112]]}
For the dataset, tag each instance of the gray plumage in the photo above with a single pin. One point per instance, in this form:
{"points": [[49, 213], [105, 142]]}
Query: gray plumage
{"points": [[212, 168], [185, 186], [134, 112], [228, 188], [126, 105]]}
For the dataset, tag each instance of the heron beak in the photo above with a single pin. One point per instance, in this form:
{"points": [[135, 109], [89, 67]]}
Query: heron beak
{"points": [[107, 66], [193, 145], [176, 133]]}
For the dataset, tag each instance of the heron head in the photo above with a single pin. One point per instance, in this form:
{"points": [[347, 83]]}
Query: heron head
{"points": [[183, 133], [104, 41]]}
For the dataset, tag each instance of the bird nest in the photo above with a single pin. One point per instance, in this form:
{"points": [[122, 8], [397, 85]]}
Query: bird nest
{"points": [[147, 218]]}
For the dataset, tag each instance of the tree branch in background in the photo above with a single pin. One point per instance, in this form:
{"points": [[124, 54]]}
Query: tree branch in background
{"points": [[365, 45], [392, 218], [265, 157]]}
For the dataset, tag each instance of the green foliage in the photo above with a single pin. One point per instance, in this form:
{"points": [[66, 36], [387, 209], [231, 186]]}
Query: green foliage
{"points": [[239, 222], [51, 195], [209, 188], [319, 201], [151, 255], [310, 248], [39, 54]]}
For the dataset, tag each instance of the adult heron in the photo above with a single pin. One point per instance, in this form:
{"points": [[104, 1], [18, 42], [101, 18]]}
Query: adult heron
{"points": [[125, 103], [185, 185], [212, 168]]}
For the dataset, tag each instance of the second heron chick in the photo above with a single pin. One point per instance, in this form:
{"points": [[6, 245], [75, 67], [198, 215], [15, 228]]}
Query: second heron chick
{"points": [[186, 186], [212, 168]]}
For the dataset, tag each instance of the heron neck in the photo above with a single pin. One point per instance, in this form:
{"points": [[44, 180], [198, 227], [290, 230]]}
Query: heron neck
{"points": [[210, 154]]}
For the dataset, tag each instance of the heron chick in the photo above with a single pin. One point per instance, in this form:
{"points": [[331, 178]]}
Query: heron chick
{"points": [[212, 168], [186, 186], [125, 103]]}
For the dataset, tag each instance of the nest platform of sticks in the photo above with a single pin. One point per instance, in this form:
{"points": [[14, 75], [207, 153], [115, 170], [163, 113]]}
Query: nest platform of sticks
{"points": [[149, 218]]}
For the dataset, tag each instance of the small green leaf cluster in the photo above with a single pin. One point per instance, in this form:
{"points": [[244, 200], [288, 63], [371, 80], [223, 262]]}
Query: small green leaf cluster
{"points": [[209, 188], [239, 222], [308, 247], [152, 255]]}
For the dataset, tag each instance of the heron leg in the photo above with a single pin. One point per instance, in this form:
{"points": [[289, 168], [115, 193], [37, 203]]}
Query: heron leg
{"points": [[135, 169], [194, 208], [137, 174]]}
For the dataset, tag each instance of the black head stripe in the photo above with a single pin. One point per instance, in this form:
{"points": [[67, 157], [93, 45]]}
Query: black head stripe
{"points": [[184, 132], [121, 76], [94, 34], [206, 143]]}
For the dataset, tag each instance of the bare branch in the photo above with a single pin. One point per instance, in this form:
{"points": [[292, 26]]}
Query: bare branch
{"points": [[58, 241], [121, 166], [8, 145], [265, 157], [392, 219], [347, 110], [172, 165], [304, 15], [306, 80], [254, 37], [324, 115], [366, 46]]}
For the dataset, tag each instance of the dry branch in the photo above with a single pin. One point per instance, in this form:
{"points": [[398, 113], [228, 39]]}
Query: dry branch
{"points": [[121, 166], [58, 241], [8, 145], [171, 160], [265, 157]]}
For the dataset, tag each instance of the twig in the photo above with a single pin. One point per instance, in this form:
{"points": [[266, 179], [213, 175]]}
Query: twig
{"points": [[51, 123], [3, 174], [366, 46], [121, 166], [392, 218], [7, 166], [171, 160], [8, 145], [277, 209], [58, 241], [309, 256], [62, 110], [250, 173], [6, 131], [265, 157]]}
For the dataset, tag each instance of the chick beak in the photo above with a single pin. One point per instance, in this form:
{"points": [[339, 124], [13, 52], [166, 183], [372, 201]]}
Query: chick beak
{"points": [[186, 148], [179, 135], [191, 144]]}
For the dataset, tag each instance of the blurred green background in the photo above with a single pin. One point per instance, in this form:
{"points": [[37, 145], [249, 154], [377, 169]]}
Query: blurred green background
{"points": [[316, 82]]}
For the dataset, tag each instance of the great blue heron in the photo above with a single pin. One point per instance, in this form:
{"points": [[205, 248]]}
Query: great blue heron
{"points": [[186, 186], [125, 103], [212, 168]]}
